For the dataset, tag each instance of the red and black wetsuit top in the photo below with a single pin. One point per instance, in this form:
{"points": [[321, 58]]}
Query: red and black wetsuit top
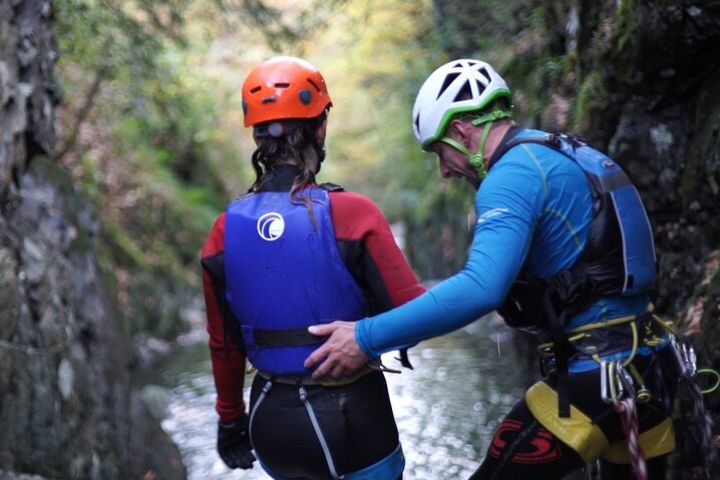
{"points": [[367, 248]]}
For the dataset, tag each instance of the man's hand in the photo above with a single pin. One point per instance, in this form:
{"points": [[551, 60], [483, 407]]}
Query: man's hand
{"points": [[233, 444], [340, 355]]}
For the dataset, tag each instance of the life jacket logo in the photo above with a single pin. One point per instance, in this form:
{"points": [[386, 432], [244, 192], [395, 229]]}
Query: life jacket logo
{"points": [[271, 226]]}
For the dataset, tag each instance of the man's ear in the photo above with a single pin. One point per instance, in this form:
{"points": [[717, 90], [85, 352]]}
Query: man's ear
{"points": [[461, 130]]}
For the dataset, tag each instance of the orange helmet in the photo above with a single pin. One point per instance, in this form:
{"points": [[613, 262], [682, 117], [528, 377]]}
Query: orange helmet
{"points": [[283, 88]]}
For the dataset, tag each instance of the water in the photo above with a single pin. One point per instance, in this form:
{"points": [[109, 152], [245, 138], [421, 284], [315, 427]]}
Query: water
{"points": [[446, 409]]}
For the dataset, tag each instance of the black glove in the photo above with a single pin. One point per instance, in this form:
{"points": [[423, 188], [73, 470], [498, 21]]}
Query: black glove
{"points": [[233, 444]]}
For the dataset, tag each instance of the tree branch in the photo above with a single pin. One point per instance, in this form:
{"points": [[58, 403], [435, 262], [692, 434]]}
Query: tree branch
{"points": [[71, 140]]}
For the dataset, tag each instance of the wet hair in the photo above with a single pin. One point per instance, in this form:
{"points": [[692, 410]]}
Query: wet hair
{"points": [[299, 145]]}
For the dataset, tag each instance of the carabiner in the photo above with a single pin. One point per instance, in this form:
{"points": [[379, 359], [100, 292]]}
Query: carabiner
{"points": [[625, 380]]}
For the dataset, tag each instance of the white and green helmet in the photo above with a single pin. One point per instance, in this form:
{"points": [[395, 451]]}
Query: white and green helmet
{"points": [[464, 85]]}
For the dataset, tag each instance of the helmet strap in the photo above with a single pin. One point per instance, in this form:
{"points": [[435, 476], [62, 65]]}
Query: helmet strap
{"points": [[477, 160]]}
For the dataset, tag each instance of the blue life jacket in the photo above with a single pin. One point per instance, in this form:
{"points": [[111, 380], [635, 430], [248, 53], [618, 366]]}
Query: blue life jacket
{"points": [[619, 255], [618, 260], [284, 273]]}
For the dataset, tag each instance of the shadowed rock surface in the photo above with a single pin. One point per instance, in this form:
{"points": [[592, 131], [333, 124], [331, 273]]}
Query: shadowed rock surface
{"points": [[68, 408]]}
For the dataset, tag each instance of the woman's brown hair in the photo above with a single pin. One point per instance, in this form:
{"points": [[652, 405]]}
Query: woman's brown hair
{"points": [[299, 145]]}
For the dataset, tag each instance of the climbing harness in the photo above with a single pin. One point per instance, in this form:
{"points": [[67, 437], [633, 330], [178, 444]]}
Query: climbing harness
{"points": [[623, 386], [327, 382]]}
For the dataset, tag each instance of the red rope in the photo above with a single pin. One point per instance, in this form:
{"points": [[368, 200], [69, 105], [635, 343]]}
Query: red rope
{"points": [[628, 417]]}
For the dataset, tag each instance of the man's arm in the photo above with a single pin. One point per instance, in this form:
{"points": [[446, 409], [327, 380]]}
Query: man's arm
{"points": [[370, 253], [509, 203]]}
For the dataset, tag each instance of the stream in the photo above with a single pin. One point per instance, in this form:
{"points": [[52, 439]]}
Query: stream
{"points": [[447, 408]]}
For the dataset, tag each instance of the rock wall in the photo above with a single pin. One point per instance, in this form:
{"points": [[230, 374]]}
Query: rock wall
{"points": [[68, 408]]}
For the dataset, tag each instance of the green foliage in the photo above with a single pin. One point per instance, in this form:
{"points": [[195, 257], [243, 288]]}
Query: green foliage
{"points": [[591, 96], [151, 129], [139, 154], [163, 149], [626, 23], [282, 27]]}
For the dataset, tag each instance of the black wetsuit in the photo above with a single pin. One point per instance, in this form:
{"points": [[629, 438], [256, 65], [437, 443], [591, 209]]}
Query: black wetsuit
{"points": [[356, 420]]}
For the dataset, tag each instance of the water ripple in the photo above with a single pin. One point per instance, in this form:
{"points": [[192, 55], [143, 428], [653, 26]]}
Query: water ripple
{"points": [[446, 409]]}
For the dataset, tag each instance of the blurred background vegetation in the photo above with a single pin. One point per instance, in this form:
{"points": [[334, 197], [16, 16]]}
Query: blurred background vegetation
{"points": [[151, 126]]}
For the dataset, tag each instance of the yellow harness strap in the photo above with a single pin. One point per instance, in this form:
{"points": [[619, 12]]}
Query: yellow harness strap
{"points": [[657, 441], [576, 431], [587, 439]]}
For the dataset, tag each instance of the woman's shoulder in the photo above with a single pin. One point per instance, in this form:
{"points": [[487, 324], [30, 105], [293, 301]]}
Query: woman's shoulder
{"points": [[355, 215], [353, 201]]}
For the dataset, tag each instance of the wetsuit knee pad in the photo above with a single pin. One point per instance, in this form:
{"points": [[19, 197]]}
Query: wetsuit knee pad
{"points": [[584, 436]]}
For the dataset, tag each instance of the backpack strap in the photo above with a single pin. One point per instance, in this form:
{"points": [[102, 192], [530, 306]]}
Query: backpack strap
{"points": [[331, 187], [551, 140]]}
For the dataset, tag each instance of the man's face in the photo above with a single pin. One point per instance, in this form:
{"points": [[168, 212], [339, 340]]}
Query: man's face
{"points": [[453, 163]]}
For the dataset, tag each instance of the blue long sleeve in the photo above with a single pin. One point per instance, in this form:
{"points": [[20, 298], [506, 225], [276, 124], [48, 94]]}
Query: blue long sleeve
{"points": [[508, 203], [534, 213]]}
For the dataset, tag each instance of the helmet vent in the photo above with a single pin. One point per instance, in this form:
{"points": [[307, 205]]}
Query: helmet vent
{"points": [[484, 73], [458, 65], [465, 92], [255, 89], [417, 122], [450, 78], [311, 82], [282, 85]]}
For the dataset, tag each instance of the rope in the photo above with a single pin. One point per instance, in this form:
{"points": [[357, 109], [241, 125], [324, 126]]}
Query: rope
{"points": [[717, 380], [628, 417]]}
